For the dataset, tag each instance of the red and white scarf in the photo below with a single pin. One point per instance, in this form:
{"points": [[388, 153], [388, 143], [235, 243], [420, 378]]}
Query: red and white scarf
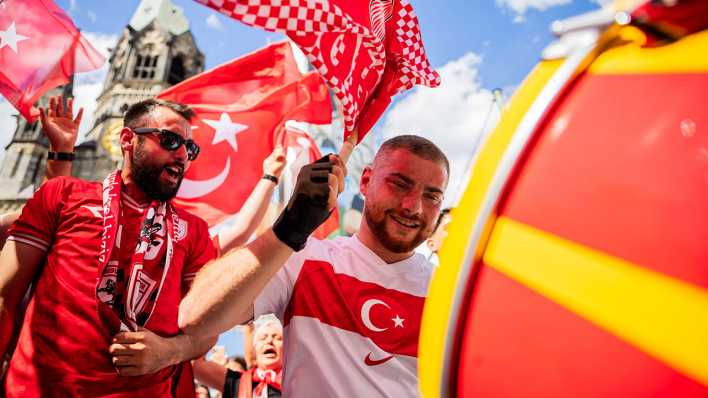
{"points": [[264, 378], [127, 305]]}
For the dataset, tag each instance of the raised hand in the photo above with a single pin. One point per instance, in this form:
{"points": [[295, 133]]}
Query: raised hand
{"points": [[313, 199], [275, 162], [59, 125]]}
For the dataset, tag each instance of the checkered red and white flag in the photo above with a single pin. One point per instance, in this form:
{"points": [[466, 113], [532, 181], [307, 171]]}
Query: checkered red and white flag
{"points": [[366, 50]]}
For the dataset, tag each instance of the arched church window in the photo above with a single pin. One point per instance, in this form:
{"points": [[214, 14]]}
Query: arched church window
{"points": [[145, 67], [17, 162], [177, 73], [30, 127], [116, 73]]}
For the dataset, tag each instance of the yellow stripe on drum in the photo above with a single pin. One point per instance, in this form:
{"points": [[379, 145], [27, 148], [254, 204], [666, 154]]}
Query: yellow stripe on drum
{"points": [[662, 316], [444, 284], [687, 55]]}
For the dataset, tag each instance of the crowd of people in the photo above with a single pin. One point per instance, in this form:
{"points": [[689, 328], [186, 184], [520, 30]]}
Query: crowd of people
{"points": [[110, 289]]}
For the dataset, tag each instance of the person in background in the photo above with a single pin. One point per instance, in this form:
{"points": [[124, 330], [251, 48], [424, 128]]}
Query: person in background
{"points": [[264, 379], [201, 391], [434, 243], [236, 363]]}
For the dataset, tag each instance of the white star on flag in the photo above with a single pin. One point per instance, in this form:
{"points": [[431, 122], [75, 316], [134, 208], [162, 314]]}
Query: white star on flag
{"points": [[10, 38], [398, 321], [226, 130]]}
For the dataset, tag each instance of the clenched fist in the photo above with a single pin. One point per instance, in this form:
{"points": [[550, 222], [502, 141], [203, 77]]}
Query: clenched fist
{"points": [[314, 197]]}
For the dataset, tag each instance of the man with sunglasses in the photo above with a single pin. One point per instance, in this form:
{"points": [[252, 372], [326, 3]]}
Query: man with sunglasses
{"points": [[110, 263]]}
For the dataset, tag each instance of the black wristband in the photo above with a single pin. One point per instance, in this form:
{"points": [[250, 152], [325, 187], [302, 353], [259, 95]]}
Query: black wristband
{"points": [[68, 156], [270, 177]]}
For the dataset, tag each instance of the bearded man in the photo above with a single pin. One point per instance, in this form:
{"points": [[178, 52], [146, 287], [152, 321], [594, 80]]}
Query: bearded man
{"points": [[351, 306], [110, 263]]}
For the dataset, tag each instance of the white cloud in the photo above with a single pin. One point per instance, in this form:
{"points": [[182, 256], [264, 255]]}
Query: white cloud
{"points": [[214, 22], [454, 116], [519, 7]]}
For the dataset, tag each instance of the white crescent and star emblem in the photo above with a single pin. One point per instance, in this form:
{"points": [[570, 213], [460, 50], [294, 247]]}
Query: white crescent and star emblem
{"points": [[10, 38], [191, 189], [366, 319], [225, 130]]}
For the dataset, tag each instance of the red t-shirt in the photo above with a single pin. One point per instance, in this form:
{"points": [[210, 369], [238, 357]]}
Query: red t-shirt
{"points": [[63, 344]]}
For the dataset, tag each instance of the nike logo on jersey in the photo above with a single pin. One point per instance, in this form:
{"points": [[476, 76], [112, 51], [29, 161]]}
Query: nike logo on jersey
{"points": [[373, 362], [95, 210]]}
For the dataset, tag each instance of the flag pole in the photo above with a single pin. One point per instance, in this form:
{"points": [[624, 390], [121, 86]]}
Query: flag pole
{"points": [[348, 146]]}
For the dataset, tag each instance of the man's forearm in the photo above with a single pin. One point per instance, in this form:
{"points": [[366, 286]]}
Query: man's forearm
{"points": [[6, 221], [188, 347], [56, 168], [209, 373], [223, 293], [7, 327]]}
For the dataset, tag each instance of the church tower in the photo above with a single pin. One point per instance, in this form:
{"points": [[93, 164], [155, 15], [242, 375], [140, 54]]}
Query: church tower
{"points": [[155, 51]]}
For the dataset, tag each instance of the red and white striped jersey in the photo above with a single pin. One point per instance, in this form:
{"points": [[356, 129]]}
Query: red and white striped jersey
{"points": [[351, 320]]}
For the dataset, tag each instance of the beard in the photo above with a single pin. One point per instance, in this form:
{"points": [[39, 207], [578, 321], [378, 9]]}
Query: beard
{"points": [[147, 177], [376, 220]]}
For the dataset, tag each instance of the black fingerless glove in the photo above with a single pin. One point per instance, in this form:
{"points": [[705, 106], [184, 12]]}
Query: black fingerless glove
{"points": [[307, 208]]}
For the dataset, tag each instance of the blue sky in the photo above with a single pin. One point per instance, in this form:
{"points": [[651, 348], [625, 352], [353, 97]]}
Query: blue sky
{"points": [[475, 45]]}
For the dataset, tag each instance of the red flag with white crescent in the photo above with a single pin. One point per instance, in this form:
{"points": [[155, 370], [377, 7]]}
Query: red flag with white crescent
{"points": [[301, 149], [239, 106], [40, 48], [367, 51]]}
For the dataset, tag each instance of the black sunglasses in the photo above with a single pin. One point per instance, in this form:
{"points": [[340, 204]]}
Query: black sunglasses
{"points": [[171, 140]]}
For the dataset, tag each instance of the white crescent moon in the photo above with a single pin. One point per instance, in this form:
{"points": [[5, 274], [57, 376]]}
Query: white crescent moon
{"points": [[366, 308], [191, 189]]}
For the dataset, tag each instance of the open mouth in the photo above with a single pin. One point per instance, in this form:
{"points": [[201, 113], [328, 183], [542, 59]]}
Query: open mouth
{"points": [[270, 352], [408, 223], [174, 172]]}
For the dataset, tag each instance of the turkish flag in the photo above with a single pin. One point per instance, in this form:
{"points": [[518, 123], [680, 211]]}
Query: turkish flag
{"points": [[40, 48], [366, 51], [301, 149], [362, 307], [239, 106]]}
